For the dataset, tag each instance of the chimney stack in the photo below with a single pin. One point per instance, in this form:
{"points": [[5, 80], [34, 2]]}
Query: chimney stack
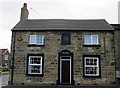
{"points": [[24, 12]]}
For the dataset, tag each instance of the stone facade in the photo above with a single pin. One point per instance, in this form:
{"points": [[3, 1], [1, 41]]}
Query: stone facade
{"points": [[117, 51], [52, 46]]}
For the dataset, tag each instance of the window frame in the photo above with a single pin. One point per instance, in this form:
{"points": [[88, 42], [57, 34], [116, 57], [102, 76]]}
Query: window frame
{"points": [[63, 42], [29, 64], [33, 40], [98, 70], [91, 40]]}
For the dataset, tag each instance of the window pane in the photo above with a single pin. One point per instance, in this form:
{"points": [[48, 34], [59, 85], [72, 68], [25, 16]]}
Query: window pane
{"points": [[65, 39], [95, 62], [34, 69], [87, 62], [32, 39], [87, 70], [40, 40], [35, 60], [94, 70], [95, 39], [87, 39], [91, 70]]}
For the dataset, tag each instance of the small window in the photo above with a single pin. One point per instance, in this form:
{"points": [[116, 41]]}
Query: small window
{"points": [[65, 39], [91, 40], [91, 66], [35, 65], [6, 57], [36, 40]]}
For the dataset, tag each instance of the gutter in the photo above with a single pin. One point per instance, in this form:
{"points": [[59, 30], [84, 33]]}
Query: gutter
{"points": [[13, 54]]}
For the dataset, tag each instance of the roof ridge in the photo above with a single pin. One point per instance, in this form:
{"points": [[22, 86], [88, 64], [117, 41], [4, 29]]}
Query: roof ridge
{"points": [[69, 19]]}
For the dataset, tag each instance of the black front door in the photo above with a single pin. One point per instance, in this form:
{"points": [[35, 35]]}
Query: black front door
{"points": [[65, 72]]}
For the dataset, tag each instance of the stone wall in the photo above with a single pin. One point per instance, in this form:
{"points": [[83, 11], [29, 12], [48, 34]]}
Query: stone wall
{"points": [[51, 49], [117, 52], [117, 36]]}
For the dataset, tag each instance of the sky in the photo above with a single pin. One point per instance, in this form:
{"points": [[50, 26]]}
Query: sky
{"points": [[53, 9]]}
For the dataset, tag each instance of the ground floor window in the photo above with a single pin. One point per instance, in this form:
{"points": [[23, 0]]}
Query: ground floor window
{"points": [[35, 64], [91, 66]]}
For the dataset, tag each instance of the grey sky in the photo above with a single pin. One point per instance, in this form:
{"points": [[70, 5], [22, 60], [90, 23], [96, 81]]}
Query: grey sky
{"points": [[54, 9]]}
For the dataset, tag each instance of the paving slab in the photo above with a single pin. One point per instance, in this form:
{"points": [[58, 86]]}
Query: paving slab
{"points": [[5, 79]]}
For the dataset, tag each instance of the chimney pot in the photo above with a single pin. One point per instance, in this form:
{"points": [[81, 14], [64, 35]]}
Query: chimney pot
{"points": [[25, 5]]}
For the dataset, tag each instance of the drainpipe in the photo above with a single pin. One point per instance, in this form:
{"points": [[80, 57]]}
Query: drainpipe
{"points": [[13, 55]]}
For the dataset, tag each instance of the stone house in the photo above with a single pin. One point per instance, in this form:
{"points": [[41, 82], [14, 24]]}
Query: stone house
{"points": [[117, 50], [4, 58], [62, 51]]}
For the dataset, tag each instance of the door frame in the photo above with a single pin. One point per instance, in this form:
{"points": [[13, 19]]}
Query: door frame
{"points": [[65, 53]]}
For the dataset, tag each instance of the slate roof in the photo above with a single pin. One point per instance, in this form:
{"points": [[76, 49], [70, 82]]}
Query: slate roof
{"points": [[62, 24], [116, 26], [3, 51]]}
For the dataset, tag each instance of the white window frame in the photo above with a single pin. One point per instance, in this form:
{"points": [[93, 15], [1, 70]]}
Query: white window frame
{"points": [[91, 40], [29, 64], [92, 66], [33, 39]]}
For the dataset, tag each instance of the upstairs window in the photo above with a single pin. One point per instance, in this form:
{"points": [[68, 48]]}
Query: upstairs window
{"points": [[36, 40], [91, 40], [65, 39]]}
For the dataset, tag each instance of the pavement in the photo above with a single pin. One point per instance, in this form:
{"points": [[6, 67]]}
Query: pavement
{"points": [[4, 84], [0, 81], [4, 80], [61, 86]]}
